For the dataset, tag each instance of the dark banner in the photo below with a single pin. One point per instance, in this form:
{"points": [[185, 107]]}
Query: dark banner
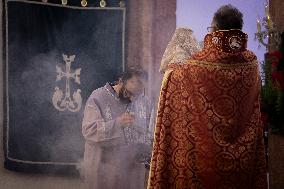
{"points": [[55, 56]]}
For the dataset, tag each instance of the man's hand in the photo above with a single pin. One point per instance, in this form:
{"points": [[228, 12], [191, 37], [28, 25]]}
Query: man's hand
{"points": [[125, 119]]}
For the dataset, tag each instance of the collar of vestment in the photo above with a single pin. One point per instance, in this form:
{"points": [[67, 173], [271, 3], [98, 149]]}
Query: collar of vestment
{"points": [[229, 41], [111, 91]]}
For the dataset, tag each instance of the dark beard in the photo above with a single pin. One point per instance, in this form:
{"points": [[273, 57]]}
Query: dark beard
{"points": [[124, 95]]}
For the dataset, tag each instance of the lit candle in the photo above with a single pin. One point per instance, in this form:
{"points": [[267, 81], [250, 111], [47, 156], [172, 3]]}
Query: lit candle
{"points": [[258, 26], [266, 10], [268, 22]]}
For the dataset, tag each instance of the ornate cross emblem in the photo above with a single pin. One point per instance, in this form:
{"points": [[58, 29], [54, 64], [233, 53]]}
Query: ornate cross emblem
{"points": [[63, 101], [235, 43]]}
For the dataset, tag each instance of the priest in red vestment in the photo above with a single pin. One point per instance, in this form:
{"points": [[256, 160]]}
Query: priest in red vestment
{"points": [[208, 133]]}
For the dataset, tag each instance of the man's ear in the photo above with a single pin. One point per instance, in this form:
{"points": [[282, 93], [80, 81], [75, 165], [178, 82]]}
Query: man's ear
{"points": [[120, 82], [215, 28]]}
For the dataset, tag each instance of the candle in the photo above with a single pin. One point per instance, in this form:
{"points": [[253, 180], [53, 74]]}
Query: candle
{"points": [[266, 10], [268, 22], [258, 26]]}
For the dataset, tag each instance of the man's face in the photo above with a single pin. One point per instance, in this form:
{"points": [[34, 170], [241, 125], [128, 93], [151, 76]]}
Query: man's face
{"points": [[135, 86]]}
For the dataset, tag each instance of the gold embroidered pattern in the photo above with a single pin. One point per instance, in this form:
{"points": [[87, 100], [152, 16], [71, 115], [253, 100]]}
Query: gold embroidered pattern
{"points": [[208, 132]]}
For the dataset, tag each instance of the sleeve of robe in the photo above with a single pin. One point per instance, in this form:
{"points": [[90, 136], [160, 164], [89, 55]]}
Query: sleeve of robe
{"points": [[95, 129]]}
